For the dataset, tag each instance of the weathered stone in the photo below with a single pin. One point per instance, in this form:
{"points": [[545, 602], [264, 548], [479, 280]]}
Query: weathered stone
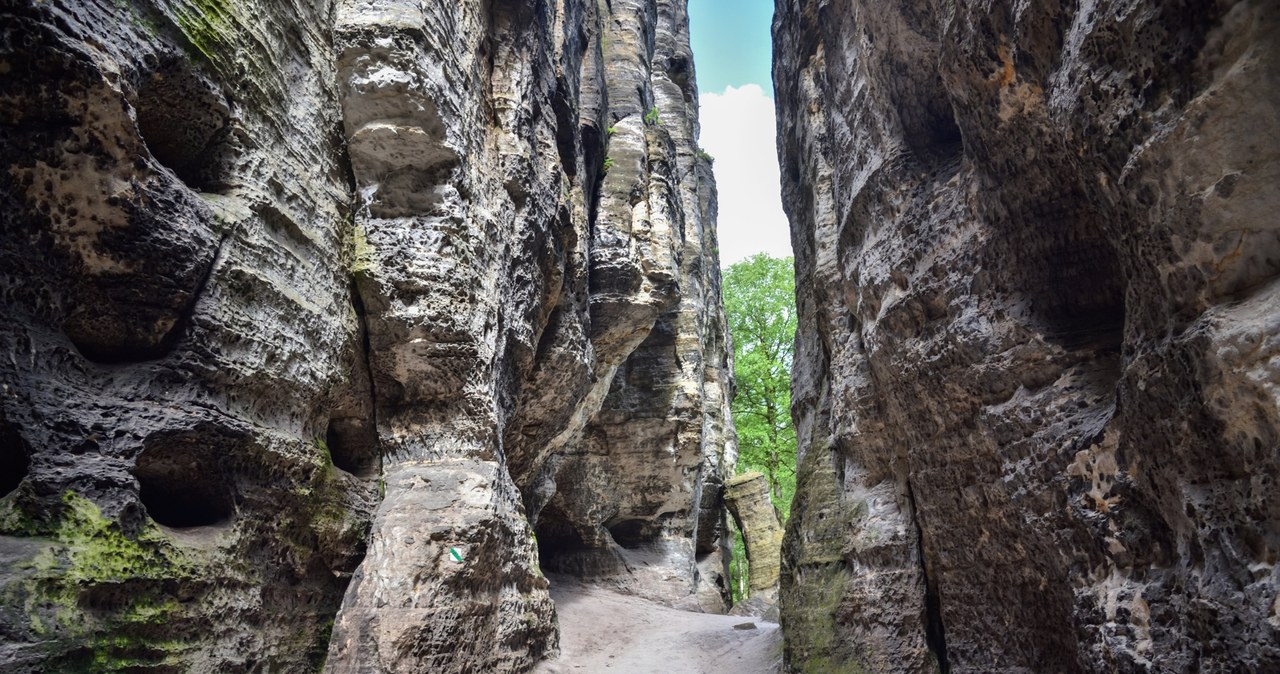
{"points": [[747, 498], [289, 281], [177, 315], [472, 600], [1035, 373]]}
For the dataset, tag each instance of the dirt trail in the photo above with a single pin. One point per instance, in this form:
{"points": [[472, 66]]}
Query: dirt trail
{"points": [[602, 631]]}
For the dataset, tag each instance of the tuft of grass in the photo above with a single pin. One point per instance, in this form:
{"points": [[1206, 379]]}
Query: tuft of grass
{"points": [[608, 164]]}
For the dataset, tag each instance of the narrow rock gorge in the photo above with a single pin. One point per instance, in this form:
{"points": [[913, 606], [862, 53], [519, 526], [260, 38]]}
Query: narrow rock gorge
{"points": [[1037, 379], [331, 324]]}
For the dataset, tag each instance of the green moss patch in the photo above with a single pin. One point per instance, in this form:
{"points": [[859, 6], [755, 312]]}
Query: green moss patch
{"points": [[101, 600], [207, 24], [94, 550]]}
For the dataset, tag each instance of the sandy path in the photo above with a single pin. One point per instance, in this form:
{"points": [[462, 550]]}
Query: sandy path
{"points": [[603, 631]]}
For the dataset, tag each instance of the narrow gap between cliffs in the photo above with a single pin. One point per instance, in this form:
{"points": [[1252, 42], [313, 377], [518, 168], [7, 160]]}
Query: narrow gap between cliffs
{"points": [[935, 632]]}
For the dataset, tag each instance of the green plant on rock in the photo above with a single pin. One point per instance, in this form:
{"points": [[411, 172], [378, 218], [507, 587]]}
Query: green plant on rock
{"points": [[815, 640], [652, 118], [706, 156], [326, 456], [608, 164], [83, 551], [207, 25]]}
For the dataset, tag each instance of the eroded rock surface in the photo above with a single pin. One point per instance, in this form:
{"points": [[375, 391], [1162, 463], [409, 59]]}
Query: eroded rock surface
{"points": [[317, 312], [747, 498], [1037, 363]]}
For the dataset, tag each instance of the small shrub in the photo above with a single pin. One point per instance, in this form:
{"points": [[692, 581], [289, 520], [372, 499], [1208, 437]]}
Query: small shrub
{"points": [[652, 117]]}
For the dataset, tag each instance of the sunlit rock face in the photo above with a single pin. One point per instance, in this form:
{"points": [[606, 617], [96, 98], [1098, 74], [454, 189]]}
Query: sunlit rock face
{"points": [[1036, 374], [329, 323]]}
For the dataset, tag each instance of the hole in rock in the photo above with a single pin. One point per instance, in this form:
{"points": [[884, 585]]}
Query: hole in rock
{"points": [[630, 533], [15, 459], [352, 445], [566, 125], [180, 116], [924, 109], [183, 485], [593, 156], [558, 543], [1070, 275], [933, 130]]}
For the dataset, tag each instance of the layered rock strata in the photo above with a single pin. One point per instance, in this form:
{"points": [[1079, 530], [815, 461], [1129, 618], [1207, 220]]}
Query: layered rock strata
{"points": [[1037, 363], [747, 498], [351, 314]]}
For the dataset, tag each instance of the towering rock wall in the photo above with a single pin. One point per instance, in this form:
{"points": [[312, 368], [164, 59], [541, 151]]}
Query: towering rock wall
{"points": [[348, 313], [1036, 380]]}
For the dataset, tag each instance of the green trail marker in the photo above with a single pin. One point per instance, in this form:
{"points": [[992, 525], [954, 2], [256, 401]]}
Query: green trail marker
{"points": [[457, 556]]}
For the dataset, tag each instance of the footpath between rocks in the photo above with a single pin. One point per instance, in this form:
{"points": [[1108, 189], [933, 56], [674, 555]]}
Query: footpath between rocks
{"points": [[602, 631]]}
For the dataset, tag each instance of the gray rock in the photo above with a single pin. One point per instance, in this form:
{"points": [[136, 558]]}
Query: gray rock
{"points": [[307, 302], [1035, 369]]}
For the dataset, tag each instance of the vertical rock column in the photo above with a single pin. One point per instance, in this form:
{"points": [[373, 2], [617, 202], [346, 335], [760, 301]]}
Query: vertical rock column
{"points": [[450, 583], [747, 497]]}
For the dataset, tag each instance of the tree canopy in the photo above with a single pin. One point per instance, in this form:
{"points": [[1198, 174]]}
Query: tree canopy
{"points": [[759, 297]]}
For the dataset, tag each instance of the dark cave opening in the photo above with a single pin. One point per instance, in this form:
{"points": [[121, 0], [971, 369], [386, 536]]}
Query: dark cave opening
{"points": [[181, 116], [931, 130], [1069, 274], [629, 534], [15, 459], [558, 544], [353, 445], [562, 547], [181, 486], [924, 109]]}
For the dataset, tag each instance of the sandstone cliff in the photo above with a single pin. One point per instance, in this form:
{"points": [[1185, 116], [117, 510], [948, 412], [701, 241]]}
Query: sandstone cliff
{"points": [[1037, 385], [348, 313]]}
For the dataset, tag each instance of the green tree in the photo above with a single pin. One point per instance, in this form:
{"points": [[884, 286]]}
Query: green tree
{"points": [[759, 298]]}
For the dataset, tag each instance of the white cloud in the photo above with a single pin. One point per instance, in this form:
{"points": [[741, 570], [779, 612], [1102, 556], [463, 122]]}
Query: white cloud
{"points": [[738, 130]]}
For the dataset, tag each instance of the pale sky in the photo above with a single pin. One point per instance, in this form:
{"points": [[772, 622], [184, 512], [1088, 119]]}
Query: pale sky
{"points": [[738, 130], [732, 52]]}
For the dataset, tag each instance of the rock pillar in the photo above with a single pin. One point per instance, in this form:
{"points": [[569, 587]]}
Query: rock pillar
{"points": [[747, 497]]}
